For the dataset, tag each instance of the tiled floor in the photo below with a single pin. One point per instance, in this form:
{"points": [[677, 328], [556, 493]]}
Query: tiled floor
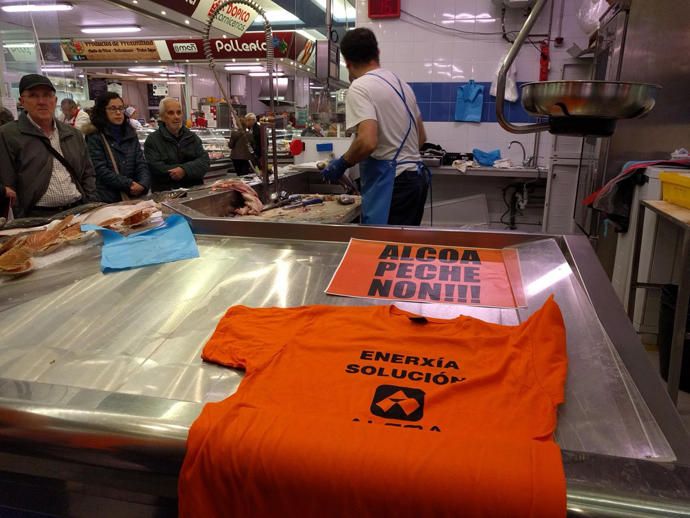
{"points": [[683, 397]]}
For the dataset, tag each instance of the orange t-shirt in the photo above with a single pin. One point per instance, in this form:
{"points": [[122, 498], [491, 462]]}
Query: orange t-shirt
{"points": [[372, 411]]}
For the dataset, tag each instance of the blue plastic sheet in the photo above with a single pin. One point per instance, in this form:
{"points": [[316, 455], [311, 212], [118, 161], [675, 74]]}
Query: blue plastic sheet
{"points": [[486, 158], [172, 241]]}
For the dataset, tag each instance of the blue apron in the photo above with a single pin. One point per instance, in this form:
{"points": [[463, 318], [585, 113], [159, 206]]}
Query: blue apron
{"points": [[378, 176]]}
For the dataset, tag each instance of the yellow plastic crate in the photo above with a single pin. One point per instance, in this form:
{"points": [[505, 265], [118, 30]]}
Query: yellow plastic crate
{"points": [[676, 188]]}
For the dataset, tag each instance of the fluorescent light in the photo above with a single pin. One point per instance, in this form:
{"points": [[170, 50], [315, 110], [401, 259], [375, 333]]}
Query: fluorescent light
{"points": [[175, 82], [111, 29], [56, 69], [176, 75], [159, 70], [37, 8], [19, 45], [244, 68], [265, 74], [278, 16], [468, 18], [339, 14], [311, 34]]}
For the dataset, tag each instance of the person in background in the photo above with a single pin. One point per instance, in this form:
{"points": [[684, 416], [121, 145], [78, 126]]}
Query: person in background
{"points": [[73, 115], [314, 130], [254, 128], [112, 137], [175, 154], [131, 112], [200, 121], [7, 194], [153, 123], [383, 112], [240, 149], [43, 160]]}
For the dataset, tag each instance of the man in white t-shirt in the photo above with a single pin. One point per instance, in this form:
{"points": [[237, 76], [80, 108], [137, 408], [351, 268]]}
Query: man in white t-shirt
{"points": [[383, 112]]}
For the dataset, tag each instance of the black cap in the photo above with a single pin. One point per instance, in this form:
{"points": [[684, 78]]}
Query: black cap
{"points": [[32, 80]]}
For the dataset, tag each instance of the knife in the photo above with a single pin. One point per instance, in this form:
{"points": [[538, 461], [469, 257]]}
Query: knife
{"points": [[304, 203]]}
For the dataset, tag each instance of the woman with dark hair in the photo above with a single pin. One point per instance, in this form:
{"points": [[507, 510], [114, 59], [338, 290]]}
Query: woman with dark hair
{"points": [[121, 171], [240, 149]]}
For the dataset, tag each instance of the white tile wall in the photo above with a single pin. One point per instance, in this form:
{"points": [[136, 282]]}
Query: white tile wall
{"points": [[407, 46]]}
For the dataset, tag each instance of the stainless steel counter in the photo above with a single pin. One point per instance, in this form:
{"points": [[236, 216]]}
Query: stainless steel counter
{"points": [[491, 172], [100, 375]]}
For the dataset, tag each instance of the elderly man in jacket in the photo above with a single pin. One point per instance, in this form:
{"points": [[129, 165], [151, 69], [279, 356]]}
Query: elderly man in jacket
{"points": [[44, 161], [175, 155]]}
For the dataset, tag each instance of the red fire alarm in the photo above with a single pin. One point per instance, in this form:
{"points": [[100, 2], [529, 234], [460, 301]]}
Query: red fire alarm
{"points": [[384, 9]]}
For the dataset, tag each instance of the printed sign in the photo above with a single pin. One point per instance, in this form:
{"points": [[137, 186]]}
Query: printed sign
{"points": [[426, 273], [234, 19], [160, 89], [106, 50]]}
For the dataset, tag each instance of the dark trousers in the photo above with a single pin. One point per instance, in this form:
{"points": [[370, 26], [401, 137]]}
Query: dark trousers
{"points": [[409, 198], [242, 167]]}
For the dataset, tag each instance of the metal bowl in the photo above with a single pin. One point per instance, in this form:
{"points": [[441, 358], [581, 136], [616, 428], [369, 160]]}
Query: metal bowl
{"points": [[592, 99]]}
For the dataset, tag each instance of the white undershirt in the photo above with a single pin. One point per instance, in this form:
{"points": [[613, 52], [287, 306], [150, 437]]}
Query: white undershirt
{"points": [[371, 98]]}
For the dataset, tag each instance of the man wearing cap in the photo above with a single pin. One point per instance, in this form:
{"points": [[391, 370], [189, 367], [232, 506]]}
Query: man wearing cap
{"points": [[44, 161]]}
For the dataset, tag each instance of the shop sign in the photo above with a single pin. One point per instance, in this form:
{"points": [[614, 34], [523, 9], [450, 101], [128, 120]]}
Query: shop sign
{"points": [[160, 89], [234, 20], [251, 45], [429, 273], [107, 50], [20, 54], [25, 52]]}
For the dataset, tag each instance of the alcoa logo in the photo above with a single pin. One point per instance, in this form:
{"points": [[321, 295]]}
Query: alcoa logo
{"points": [[185, 48], [394, 402]]}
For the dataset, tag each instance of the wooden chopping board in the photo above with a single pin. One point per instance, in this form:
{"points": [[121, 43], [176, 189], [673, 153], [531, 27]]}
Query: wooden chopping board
{"points": [[330, 211]]}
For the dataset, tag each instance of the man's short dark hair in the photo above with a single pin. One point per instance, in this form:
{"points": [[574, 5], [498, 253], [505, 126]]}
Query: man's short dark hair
{"points": [[359, 46], [68, 102]]}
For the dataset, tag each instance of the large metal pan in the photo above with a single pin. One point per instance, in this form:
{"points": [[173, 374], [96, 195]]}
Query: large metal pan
{"points": [[605, 99], [573, 107]]}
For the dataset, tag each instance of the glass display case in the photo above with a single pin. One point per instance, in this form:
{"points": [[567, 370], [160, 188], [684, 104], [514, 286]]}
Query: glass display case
{"points": [[214, 143]]}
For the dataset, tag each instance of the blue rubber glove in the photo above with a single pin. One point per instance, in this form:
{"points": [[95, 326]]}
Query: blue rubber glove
{"points": [[336, 169]]}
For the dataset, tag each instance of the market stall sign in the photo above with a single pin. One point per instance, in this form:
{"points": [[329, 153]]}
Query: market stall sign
{"points": [[234, 20], [428, 273], [26, 52], [251, 45], [110, 50]]}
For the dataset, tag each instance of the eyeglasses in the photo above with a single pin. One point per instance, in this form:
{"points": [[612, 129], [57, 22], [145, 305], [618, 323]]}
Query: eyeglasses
{"points": [[118, 109]]}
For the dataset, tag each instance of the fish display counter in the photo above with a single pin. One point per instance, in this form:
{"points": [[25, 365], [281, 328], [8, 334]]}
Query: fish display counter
{"points": [[101, 375]]}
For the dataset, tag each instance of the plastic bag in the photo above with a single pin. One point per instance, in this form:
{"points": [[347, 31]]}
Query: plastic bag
{"points": [[589, 13], [511, 91]]}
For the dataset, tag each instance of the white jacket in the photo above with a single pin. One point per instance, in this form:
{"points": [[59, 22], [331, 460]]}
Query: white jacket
{"points": [[79, 121]]}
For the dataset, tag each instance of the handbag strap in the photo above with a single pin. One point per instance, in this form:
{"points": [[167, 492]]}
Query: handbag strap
{"points": [[110, 153], [124, 195]]}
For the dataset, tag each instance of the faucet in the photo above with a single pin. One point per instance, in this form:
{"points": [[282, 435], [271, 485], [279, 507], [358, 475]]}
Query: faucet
{"points": [[524, 153]]}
